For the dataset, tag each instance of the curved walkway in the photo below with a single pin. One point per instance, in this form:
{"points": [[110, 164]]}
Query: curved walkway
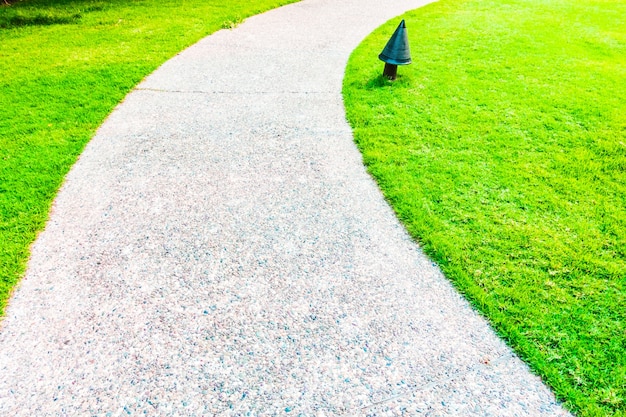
{"points": [[220, 250]]}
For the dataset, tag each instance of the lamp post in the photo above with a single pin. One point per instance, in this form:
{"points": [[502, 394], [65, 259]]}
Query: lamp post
{"points": [[396, 52]]}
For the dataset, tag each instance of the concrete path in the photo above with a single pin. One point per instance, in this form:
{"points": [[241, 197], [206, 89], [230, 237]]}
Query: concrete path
{"points": [[220, 250]]}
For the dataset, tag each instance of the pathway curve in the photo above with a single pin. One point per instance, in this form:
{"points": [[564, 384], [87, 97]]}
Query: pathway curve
{"points": [[220, 250]]}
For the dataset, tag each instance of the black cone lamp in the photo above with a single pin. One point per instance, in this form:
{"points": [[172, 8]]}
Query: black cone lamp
{"points": [[396, 52]]}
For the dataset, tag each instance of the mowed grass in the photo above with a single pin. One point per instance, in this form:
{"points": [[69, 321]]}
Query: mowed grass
{"points": [[502, 148], [66, 64]]}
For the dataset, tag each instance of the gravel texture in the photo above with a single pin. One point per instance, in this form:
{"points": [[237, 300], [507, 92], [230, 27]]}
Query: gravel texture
{"points": [[219, 249]]}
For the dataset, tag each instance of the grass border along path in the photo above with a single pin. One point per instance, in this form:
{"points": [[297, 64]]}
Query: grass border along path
{"points": [[66, 64], [502, 148]]}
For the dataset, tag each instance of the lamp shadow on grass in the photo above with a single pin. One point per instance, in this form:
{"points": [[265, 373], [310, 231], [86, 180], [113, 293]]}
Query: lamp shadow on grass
{"points": [[378, 80]]}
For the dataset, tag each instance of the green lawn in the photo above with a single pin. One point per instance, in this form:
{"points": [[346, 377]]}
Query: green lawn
{"points": [[67, 63], [502, 148]]}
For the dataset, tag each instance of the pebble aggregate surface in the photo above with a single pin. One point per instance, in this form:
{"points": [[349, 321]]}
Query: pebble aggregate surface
{"points": [[219, 249]]}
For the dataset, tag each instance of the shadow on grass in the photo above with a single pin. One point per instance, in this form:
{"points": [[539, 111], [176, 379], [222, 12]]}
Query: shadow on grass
{"points": [[51, 3], [21, 19], [16, 14], [379, 81]]}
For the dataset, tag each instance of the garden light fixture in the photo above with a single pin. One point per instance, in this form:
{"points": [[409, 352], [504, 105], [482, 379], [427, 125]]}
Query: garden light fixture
{"points": [[396, 52]]}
